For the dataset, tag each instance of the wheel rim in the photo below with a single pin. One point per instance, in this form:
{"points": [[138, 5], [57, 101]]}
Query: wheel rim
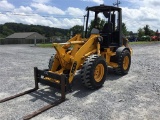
{"points": [[125, 62], [99, 72]]}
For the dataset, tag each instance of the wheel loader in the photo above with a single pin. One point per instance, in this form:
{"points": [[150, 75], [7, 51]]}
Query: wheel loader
{"points": [[91, 54]]}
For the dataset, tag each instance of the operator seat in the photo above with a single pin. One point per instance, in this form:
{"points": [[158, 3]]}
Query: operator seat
{"points": [[107, 34], [94, 31], [107, 28]]}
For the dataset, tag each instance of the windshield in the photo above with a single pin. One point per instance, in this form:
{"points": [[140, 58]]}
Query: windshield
{"points": [[99, 19]]}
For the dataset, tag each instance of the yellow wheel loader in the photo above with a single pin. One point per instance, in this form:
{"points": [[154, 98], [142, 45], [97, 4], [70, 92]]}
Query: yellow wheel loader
{"points": [[91, 54]]}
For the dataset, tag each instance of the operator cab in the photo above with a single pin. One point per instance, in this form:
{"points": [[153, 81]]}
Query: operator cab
{"points": [[111, 29]]}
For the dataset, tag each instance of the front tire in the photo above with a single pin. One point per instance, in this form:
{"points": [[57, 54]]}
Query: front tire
{"points": [[94, 71], [51, 60]]}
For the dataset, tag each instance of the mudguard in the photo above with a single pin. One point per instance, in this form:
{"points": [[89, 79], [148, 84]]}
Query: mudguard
{"points": [[120, 49]]}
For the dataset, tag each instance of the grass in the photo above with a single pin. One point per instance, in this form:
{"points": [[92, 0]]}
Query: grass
{"points": [[45, 45], [143, 42]]}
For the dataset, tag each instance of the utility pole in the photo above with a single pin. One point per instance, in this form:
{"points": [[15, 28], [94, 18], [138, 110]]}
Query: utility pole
{"points": [[117, 3]]}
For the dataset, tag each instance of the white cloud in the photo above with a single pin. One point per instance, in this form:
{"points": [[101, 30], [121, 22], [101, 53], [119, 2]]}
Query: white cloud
{"points": [[23, 9], [6, 18], [20, 15], [75, 11], [155, 3], [47, 9], [65, 23], [138, 18], [5, 5], [96, 1], [35, 20], [141, 13], [71, 22], [152, 3], [39, 20], [41, 1]]}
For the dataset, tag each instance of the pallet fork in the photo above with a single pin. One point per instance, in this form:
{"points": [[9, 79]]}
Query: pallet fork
{"points": [[38, 76]]}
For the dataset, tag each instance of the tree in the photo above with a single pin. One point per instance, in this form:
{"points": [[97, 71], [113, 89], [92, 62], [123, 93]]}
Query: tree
{"points": [[36, 29], [130, 33], [152, 33], [147, 30], [9, 28], [76, 29], [141, 32], [6, 31], [157, 33], [124, 29], [58, 34], [100, 24]]}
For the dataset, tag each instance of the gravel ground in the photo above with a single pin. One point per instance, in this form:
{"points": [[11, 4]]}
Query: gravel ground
{"points": [[135, 96]]}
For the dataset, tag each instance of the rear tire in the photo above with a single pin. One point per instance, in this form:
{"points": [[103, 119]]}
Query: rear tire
{"points": [[94, 71], [124, 62]]}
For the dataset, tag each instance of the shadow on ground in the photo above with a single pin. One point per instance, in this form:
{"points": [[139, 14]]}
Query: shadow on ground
{"points": [[50, 94]]}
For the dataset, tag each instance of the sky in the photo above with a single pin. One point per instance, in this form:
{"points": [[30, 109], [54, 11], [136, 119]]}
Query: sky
{"points": [[67, 13]]}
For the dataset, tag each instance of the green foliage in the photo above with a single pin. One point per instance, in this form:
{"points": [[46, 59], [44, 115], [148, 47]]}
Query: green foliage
{"points": [[76, 29], [10, 28], [100, 24], [5, 31], [157, 33], [145, 38], [37, 29], [143, 42], [141, 32], [130, 32], [2, 36], [152, 33], [45, 45], [145, 31], [124, 29]]}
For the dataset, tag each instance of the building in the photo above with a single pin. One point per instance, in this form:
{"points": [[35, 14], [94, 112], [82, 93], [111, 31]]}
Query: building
{"points": [[24, 38]]}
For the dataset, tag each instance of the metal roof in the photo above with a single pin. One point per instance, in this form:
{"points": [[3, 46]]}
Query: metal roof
{"points": [[26, 35]]}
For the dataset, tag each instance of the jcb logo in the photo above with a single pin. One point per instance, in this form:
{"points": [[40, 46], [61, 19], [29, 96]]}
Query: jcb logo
{"points": [[74, 67]]}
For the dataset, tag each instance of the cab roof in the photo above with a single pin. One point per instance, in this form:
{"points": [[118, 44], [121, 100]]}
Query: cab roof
{"points": [[103, 8]]}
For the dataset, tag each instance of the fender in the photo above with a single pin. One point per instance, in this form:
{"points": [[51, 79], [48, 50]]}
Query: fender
{"points": [[120, 49]]}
